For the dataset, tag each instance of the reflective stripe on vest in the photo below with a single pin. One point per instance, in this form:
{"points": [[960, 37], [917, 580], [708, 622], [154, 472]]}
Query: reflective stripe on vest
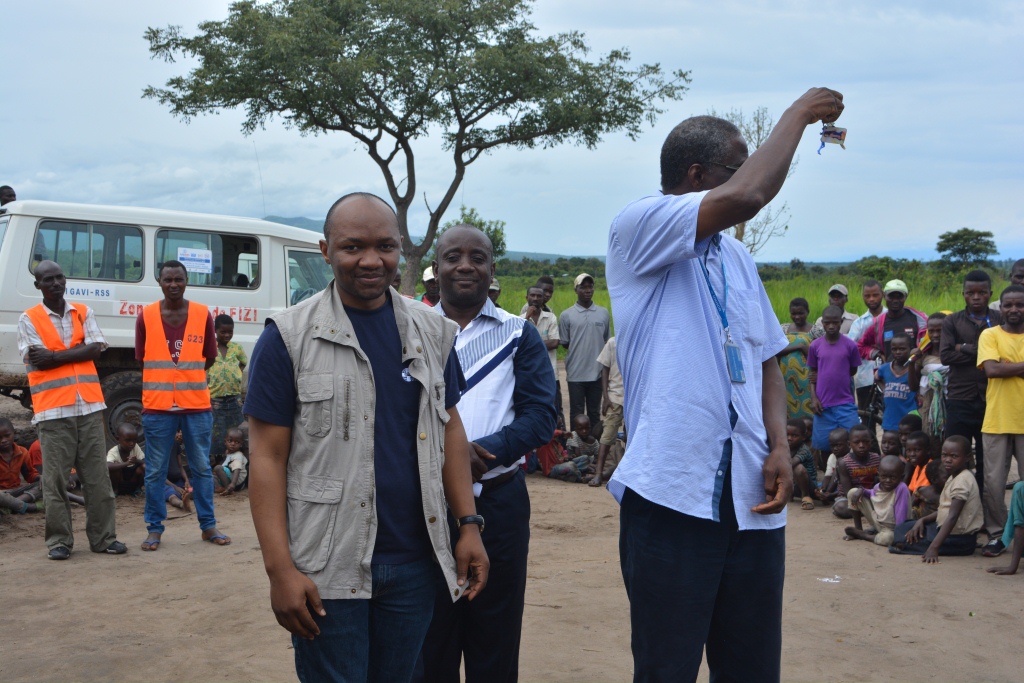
{"points": [[61, 386], [166, 384]]}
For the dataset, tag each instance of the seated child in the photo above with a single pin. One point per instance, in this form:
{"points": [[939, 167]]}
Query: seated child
{"points": [[953, 529], [917, 455], [910, 423], [926, 498], [805, 474], [126, 461], [16, 465], [885, 506], [235, 470], [177, 492], [839, 445], [898, 379], [857, 469], [1013, 533], [581, 450], [890, 443]]}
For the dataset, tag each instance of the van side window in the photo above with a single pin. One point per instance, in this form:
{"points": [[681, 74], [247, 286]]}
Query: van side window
{"points": [[308, 274], [212, 259], [90, 251]]}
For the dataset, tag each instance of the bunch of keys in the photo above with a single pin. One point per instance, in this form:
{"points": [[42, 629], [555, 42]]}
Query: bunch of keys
{"points": [[832, 135]]}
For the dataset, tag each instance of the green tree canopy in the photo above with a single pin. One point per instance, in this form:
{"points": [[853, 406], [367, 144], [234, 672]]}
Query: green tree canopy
{"points": [[386, 72], [965, 247]]}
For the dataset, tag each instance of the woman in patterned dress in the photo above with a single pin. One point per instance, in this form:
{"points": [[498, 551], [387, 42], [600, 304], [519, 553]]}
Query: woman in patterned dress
{"points": [[793, 358]]}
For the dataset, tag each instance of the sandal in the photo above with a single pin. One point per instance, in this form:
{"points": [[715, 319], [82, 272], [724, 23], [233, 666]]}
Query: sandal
{"points": [[151, 545], [806, 503]]}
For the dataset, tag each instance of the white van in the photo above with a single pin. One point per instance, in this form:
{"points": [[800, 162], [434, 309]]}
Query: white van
{"points": [[247, 268]]}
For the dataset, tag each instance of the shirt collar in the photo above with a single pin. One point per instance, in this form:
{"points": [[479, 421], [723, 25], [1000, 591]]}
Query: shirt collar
{"points": [[488, 311]]}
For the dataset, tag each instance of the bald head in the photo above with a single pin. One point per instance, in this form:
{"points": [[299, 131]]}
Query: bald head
{"points": [[460, 234], [359, 202], [464, 267], [45, 268]]}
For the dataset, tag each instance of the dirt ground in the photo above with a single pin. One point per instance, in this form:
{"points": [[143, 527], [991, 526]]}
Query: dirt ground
{"points": [[196, 612]]}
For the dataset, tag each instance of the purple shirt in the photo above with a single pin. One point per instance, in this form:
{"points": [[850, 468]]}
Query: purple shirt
{"points": [[834, 364]]}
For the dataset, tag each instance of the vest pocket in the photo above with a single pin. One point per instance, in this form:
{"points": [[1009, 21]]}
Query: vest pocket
{"points": [[313, 504], [315, 395]]}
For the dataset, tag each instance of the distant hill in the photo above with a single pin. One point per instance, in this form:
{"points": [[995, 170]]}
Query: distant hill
{"points": [[536, 256]]}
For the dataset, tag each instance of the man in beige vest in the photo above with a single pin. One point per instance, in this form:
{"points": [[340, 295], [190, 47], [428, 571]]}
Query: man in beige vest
{"points": [[355, 448]]}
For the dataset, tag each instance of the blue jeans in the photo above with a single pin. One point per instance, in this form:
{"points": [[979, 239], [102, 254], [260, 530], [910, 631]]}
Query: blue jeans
{"points": [[844, 416], [375, 640], [195, 430], [693, 584]]}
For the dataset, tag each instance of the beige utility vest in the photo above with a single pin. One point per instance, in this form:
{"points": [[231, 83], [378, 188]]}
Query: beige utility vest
{"points": [[332, 513]]}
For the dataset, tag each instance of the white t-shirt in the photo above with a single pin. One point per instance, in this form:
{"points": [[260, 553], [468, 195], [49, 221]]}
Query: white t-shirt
{"points": [[114, 454], [235, 461]]}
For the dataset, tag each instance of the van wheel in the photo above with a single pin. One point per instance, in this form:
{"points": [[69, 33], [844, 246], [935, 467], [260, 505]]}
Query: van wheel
{"points": [[122, 393]]}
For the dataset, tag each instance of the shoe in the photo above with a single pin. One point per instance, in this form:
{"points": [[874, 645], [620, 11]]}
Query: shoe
{"points": [[59, 552], [115, 548], [993, 548]]}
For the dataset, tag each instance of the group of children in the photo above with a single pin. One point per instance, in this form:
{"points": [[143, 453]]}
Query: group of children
{"points": [[901, 494]]}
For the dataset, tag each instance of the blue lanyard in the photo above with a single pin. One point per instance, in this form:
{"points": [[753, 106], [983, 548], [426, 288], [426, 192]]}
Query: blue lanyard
{"points": [[720, 305], [988, 321]]}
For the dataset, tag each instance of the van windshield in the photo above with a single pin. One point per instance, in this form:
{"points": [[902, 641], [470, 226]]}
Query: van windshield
{"points": [[308, 274]]}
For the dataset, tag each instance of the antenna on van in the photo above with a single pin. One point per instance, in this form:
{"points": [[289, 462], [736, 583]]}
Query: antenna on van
{"points": [[260, 170]]}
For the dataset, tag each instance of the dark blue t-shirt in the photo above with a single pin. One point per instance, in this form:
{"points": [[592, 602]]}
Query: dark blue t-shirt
{"points": [[401, 532]]}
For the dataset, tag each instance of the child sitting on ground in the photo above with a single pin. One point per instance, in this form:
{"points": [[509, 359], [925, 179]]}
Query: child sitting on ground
{"points": [[857, 469], [126, 462], [232, 474], [17, 464], [885, 506], [176, 488], [890, 444], [917, 455], [908, 425], [839, 445], [581, 450], [953, 529], [1013, 532], [926, 498], [805, 475], [898, 379]]}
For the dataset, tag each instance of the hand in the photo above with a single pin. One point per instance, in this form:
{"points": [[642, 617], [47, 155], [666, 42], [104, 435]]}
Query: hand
{"points": [[1002, 571], [532, 312], [476, 460], [778, 481], [470, 556], [931, 556], [40, 356], [179, 491], [916, 534], [816, 406], [289, 593], [821, 104], [606, 405]]}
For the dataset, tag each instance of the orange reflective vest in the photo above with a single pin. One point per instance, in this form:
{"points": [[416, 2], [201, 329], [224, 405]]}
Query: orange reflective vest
{"points": [[166, 384], [61, 386]]}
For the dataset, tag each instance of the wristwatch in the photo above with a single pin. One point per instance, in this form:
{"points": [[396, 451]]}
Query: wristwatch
{"points": [[471, 519]]}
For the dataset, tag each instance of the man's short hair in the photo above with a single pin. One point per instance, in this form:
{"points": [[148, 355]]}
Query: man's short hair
{"points": [[978, 276], [6, 187], [546, 280], [4, 422], [910, 420], [871, 282], [1012, 289], [937, 315], [223, 319], [171, 264], [697, 140], [327, 218], [860, 427], [832, 310], [800, 302]]}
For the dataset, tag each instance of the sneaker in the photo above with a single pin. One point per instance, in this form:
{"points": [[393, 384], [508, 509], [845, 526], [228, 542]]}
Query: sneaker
{"points": [[115, 548], [993, 548], [59, 552]]}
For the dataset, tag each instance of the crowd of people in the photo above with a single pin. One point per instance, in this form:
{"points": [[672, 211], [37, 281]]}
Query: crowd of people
{"points": [[389, 439], [912, 417]]}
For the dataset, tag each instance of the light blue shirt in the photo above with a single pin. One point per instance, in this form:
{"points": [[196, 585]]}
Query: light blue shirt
{"points": [[671, 352]]}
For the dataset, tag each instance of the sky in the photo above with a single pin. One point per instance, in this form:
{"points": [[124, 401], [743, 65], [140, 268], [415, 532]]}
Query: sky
{"points": [[933, 93]]}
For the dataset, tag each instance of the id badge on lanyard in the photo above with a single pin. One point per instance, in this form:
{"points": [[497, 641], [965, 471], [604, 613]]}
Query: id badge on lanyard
{"points": [[733, 360]]}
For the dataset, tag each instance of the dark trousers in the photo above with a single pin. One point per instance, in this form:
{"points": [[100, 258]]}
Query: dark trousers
{"points": [[695, 584], [487, 630], [955, 544], [558, 402], [964, 418], [864, 397], [586, 397]]}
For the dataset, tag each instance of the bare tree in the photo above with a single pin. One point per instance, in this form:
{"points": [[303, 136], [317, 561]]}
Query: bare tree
{"points": [[771, 221]]}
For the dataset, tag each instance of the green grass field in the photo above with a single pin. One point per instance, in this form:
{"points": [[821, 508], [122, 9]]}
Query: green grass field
{"points": [[925, 297]]}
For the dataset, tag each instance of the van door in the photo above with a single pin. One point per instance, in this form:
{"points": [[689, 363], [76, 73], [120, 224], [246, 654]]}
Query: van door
{"points": [[308, 274]]}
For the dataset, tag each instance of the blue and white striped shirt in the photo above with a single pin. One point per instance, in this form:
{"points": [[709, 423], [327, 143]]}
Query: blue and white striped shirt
{"points": [[508, 404], [671, 351]]}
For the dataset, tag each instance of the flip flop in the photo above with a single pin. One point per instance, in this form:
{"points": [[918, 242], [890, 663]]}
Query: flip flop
{"points": [[807, 503], [218, 537], [150, 545]]}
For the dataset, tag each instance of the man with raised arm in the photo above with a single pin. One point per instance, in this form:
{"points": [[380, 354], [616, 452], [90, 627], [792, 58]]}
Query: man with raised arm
{"points": [[702, 536]]}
